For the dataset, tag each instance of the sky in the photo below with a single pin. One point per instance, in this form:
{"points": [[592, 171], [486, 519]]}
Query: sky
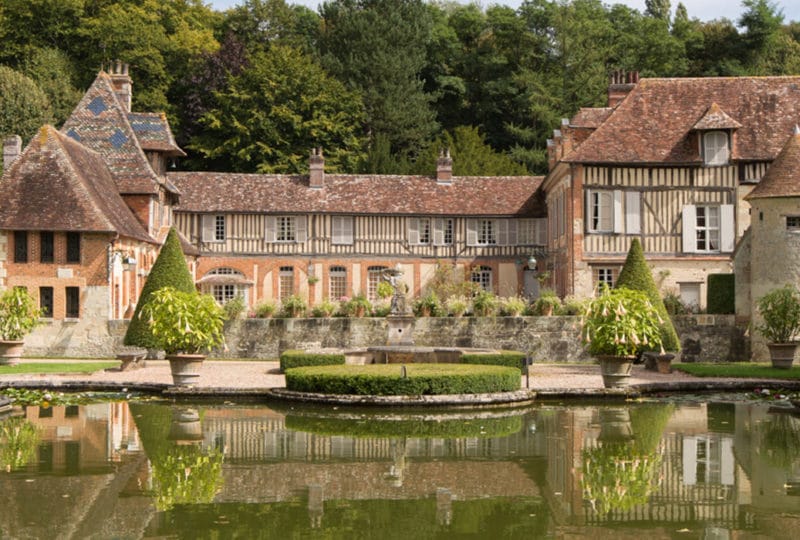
{"points": [[704, 10]]}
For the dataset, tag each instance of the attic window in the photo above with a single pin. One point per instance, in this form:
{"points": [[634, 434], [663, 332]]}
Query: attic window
{"points": [[716, 150]]}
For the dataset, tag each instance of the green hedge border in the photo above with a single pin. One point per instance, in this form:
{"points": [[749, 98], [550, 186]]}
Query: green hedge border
{"points": [[721, 294], [401, 380], [295, 358], [508, 359]]}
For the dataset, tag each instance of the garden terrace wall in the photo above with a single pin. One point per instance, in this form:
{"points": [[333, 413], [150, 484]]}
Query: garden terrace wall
{"points": [[713, 338]]}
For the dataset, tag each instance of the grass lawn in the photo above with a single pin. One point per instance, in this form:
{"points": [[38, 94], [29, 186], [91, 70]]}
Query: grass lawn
{"points": [[60, 367], [745, 370]]}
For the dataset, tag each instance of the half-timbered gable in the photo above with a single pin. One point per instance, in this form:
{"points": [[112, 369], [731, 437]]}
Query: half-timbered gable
{"points": [[669, 164]]}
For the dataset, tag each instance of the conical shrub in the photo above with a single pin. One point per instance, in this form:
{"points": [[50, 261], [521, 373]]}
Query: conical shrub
{"points": [[636, 275], [169, 270]]}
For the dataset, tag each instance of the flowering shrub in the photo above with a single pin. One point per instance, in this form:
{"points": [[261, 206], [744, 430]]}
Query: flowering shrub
{"points": [[620, 322]]}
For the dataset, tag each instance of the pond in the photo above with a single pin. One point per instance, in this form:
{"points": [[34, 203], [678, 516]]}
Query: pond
{"points": [[707, 468]]}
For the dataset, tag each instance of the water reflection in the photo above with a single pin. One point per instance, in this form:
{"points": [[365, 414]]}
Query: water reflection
{"points": [[707, 470]]}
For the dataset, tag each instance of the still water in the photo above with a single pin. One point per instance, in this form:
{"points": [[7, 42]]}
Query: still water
{"points": [[711, 469]]}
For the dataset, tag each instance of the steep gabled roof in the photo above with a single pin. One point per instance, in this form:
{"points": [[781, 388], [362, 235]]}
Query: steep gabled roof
{"points": [[359, 194], [100, 123], [783, 175], [716, 118], [653, 123], [590, 117], [153, 132], [58, 184]]}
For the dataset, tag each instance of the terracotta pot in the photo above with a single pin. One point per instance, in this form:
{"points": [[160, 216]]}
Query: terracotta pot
{"points": [[616, 370], [10, 352], [185, 368], [664, 362], [782, 354]]}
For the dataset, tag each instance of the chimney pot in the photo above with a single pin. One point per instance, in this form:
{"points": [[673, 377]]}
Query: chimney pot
{"points": [[122, 83], [12, 147], [316, 168], [444, 167]]}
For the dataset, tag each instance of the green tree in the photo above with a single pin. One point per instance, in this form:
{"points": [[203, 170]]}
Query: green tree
{"points": [[24, 108], [28, 24], [53, 72], [169, 270], [636, 275], [658, 9], [272, 114], [378, 48]]}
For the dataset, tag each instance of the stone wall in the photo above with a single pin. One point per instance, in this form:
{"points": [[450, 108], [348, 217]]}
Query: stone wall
{"points": [[707, 338]]}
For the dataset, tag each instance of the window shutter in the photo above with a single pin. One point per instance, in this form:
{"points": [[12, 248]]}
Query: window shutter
{"points": [[502, 231], [438, 232], [727, 228], [347, 230], [472, 232], [413, 231], [512, 232], [302, 230], [337, 224], [270, 234], [633, 219], [208, 223], [689, 221], [618, 225], [587, 216], [541, 232]]}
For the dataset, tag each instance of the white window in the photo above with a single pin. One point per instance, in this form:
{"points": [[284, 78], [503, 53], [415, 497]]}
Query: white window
{"points": [[213, 226], [532, 232], [605, 275], [708, 228], [443, 232], [482, 275], [223, 293], [286, 229], [715, 148], [374, 276], [487, 233], [342, 230], [338, 282], [226, 284], [604, 211], [285, 282], [419, 231]]}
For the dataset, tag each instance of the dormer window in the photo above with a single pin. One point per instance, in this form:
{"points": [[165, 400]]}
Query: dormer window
{"points": [[716, 148]]}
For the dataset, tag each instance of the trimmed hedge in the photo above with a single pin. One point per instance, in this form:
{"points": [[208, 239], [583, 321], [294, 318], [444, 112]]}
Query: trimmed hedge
{"points": [[509, 359], [388, 379], [294, 359], [721, 295], [419, 428]]}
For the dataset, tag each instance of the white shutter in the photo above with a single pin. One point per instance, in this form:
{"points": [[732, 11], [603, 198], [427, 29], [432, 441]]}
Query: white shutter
{"points": [[727, 228], [633, 220], [512, 232], [501, 226], [413, 231], [302, 229], [619, 224], [689, 461], [472, 232], [689, 222], [270, 235], [587, 216], [337, 223], [348, 233], [541, 232], [208, 227], [438, 232]]}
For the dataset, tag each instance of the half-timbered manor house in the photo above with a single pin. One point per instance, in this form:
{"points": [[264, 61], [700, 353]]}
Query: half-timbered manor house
{"points": [[669, 161]]}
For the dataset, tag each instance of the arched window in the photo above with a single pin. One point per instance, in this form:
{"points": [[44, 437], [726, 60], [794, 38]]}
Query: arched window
{"points": [[715, 148], [482, 275], [225, 284], [285, 282], [374, 274], [337, 276]]}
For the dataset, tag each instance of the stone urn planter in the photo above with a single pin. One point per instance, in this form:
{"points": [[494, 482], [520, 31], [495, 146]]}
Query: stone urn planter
{"points": [[185, 427], [616, 370], [782, 354], [661, 363], [11, 352], [185, 368], [780, 313], [615, 425], [18, 316]]}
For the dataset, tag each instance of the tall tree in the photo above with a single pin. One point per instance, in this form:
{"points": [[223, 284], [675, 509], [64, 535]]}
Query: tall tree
{"points": [[23, 105], [472, 156], [53, 72], [658, 9], [378, 48]]}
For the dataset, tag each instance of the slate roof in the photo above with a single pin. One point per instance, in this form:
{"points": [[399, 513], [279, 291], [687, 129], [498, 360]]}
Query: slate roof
{"points": [[153, 132], [783, 175], [359, 194], [653, 123], [58, 184], [590, 117], [100, 123]]}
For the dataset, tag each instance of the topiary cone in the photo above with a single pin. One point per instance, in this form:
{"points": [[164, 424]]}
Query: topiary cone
{"points": [[169, 270], [636, 275]]}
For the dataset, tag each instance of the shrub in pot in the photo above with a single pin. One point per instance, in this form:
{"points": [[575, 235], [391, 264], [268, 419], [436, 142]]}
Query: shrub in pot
{"points": [[294, 307], [547, 304], [513, 306], [780, 311], [616, 326], [427, 306], [456, 306], [324, 309], [187, 326], [18, 316], [484, 304]]}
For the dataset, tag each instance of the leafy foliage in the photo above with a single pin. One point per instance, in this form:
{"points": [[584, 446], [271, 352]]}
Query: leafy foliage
{"points": [[721, 296], [780, 311], [294, 358], [23, 105], [187, 474], [184, 322], [169, 270], [19, 314], [19, 440]]}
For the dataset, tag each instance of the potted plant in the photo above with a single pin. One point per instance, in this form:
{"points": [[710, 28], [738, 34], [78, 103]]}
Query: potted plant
{"points": [[186, 326], [513, 306], [18, 316], [427, 306], [265, 310], [294, 307], [615, 327], [358, 306], [547, 303], [324, 309], [457, 306], [780, 311], [484, 304]]}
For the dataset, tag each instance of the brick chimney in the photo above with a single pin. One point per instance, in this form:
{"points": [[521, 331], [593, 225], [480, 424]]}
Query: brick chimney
{"points": [[316, 169], [444, 167], [12, 148], [123, 86], [620, 85]]}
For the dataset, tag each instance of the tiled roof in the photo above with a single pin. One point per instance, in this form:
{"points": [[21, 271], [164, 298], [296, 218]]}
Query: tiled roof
{"points": [[354, 194], [653, 123], [783, 175], [153, 132], [187, 247], [590, 117], [715, 118], [100, 123], [58, 184]]}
